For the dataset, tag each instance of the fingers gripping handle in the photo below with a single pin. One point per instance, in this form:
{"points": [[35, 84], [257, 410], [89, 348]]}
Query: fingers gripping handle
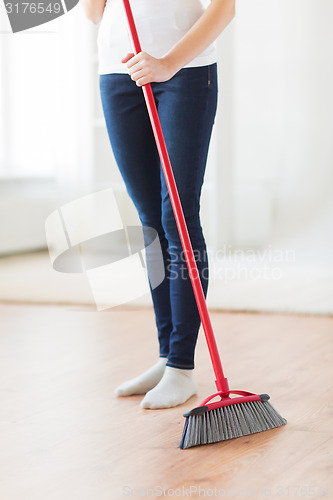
{"points": [[221, 381]]}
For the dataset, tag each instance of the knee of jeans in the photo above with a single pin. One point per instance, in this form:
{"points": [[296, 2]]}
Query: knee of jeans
{"points": [[192, 220]]}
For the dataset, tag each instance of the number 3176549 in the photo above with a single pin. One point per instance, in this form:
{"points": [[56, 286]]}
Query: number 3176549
{"points": [[33, 8]]}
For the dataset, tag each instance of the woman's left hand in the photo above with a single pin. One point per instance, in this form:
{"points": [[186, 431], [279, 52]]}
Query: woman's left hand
{"points": [[144, 68]]}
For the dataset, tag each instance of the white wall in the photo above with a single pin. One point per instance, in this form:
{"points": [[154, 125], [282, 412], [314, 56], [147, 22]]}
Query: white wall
{"points": [[281, 107]]}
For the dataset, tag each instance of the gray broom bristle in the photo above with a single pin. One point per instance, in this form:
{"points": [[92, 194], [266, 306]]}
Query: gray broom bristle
{"points": [[229, 422]]}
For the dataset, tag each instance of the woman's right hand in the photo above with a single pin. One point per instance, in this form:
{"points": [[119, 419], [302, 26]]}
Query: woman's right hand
{"points": [[144, 68]]}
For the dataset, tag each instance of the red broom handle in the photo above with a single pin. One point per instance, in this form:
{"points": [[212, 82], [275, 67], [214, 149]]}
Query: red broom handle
{"points": [[221, 381]]}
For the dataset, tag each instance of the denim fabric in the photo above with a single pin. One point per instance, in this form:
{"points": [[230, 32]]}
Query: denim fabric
{"points": [[187, 106]]}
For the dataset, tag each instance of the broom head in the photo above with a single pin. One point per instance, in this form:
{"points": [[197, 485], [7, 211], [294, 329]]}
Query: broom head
{"points": [[228, 418]]}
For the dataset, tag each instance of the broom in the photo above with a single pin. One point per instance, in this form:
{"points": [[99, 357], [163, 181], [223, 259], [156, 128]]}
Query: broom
{"points": [[234, 413]]}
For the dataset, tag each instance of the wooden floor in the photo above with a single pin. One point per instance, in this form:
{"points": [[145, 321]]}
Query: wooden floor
{"points": [[65, 436]]}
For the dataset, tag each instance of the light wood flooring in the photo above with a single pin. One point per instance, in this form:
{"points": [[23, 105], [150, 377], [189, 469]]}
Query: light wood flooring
{"points": [[65, 436]]}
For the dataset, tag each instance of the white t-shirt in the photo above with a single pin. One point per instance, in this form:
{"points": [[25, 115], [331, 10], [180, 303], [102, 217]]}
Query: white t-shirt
{"points": [[160, 24]]}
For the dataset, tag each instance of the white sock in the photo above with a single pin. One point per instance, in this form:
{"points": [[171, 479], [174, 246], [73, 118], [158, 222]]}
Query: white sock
{"points": [[144, 382], [175, 387]]}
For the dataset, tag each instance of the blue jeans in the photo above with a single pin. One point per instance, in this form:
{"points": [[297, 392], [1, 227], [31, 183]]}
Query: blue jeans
{"points": [[187, 106]]}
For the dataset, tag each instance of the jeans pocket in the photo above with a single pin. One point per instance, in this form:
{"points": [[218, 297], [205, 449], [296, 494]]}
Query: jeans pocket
{"points": [[208, 76]]}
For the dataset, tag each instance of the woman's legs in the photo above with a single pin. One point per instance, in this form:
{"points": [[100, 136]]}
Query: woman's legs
{"points": [[186, 105]]}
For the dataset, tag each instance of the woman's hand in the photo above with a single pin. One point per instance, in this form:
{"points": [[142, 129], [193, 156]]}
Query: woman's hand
{"points": [[144, 68]]}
